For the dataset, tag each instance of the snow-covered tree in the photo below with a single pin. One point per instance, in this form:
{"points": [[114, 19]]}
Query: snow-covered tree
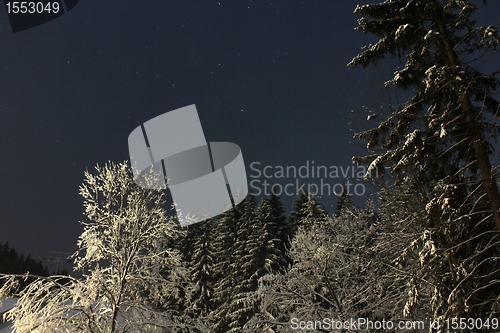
{"points": [[263, 253], [305, 211], [280, 227], [344, 202], [122, 258], [349, 266], [229, 247], [438, 144], [201, 265], [247, 245]]}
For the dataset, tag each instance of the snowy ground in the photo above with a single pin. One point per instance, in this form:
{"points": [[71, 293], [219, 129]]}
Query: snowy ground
{"points": [[7, 304]]}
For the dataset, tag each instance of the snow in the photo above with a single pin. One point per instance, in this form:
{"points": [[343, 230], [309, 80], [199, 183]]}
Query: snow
{"points": [[7, 304], [6, 328]]}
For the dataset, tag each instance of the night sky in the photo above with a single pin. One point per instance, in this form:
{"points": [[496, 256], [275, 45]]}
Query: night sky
{"points": [[270, 76]]}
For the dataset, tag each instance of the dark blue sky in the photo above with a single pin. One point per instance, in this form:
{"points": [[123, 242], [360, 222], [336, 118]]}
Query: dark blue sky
{"points": [[270, 76]]}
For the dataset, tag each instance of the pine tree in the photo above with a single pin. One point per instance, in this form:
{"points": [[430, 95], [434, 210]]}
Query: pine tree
{"points": [[439, 143]]}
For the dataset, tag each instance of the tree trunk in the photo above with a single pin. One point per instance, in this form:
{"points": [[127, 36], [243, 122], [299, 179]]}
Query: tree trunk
{"points": [[480, 148]]}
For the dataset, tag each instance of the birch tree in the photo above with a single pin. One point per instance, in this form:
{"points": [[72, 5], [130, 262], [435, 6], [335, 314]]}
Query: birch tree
{"points": [[127, 268]]}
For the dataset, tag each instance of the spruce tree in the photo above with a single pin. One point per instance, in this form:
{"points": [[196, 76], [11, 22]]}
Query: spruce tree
{"points": [[442, 130], [344, 202], [229, 248], [280, 228], [306, 210], [439, 143], [263, 253], [200, 266], [237, 306], [13, 263]]}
